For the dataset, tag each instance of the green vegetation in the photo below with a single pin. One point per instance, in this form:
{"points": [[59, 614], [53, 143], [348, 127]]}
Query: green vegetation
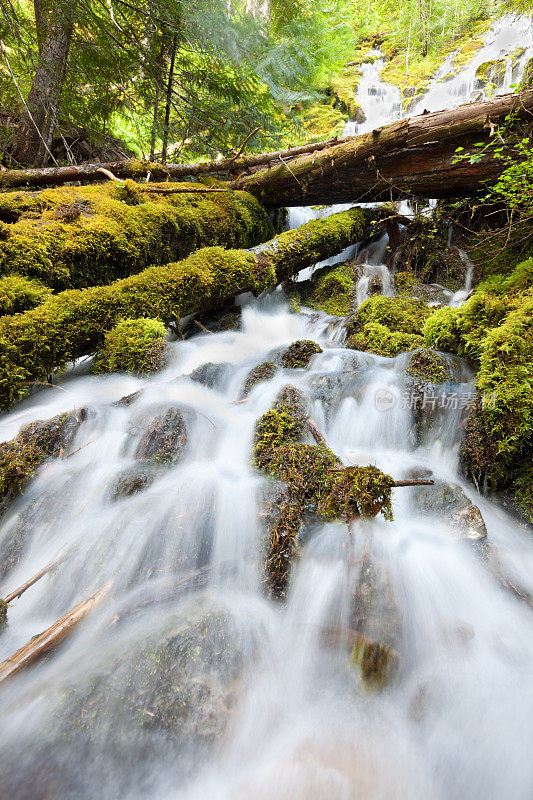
{"points": [[388, 326], [263, 372], [18, 294], [299, 354], [426, 366], [20, 457], [118, 230], [73, 323], [314, 482], [134, 345]]}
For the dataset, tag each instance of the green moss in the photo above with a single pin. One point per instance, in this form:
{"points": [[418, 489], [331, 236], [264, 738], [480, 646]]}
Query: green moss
{"points": [[314, 483], [134, 345], [323, 121], [81, 236], [334, 291], [20, 457], [426, 366], [73, 323], [263, 372], [356, 491], [299, 354], [524, 490], [388, 326], [18, 294]]}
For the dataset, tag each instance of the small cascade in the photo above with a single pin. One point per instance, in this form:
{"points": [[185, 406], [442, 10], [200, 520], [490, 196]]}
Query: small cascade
{"points": [[509, 40], [381, 102]]}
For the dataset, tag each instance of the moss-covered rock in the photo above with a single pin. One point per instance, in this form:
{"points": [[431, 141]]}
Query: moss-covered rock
{"points": [[263, 372], [211, 375], [20, 457], [18, 294], [315, 483], [388, 326], [134, 345], [299, 354], [427, 366], [81, 236]]}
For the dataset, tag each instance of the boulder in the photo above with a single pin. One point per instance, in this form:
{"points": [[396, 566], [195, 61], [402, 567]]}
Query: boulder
{"points": [[448, 502], [164, 439]]}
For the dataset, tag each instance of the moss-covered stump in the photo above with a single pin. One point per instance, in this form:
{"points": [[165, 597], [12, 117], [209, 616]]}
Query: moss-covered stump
{"points": [[133, 345], [263, 372], [21, 456], [164, 439], [387, 326], [80, 236], [18, 294], [298, 354], [315, 483]]}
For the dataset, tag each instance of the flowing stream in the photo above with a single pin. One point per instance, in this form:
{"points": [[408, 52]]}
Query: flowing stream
{"points": [[267, 706]]}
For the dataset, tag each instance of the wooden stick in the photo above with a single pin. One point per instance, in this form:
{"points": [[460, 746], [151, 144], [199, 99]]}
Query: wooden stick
{"points": [[243, 145], [51, 637], [108, 174], [316, 433], [202, 327], [38, 575], [180, 190], [398, 484]]}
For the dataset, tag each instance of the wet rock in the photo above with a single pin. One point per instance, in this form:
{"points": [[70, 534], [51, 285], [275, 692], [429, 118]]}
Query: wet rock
{"points": [[327, 388], [128, 399], [164, 439], [132, 481], [375, 609], [212, 376], [448, 502], [299, 354], [263, 372], [418, 473]]}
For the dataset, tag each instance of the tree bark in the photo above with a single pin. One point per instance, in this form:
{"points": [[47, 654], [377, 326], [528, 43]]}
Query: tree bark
{"points": [[43, 100], [153, 171], [414, 156]]}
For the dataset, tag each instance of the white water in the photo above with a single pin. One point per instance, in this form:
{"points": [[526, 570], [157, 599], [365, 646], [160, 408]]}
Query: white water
{"points": [[381, 104], [455, 725]]}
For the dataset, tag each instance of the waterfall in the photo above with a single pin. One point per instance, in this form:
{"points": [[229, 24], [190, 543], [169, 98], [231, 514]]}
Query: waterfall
{"points": [[188, 682]]}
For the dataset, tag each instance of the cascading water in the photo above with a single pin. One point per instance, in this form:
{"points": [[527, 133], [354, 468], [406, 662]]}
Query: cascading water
{"points": [[246, 699], [456, 722]]}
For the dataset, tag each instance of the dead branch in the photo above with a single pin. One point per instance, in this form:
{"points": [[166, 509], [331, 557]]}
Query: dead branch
{"points": [[51, 637], [38, 575]]}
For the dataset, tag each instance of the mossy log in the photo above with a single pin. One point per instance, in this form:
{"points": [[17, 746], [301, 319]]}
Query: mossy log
{"points": [[73, 323], [74, 237], [412, 156], [147, 170]]}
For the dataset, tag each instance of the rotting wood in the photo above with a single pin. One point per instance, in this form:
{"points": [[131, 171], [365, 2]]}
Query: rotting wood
{"points": [[42, 644]]}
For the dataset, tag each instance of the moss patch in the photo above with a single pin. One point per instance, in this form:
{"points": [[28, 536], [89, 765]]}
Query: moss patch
{"points": [[134, 345], [299, 354], [263, 372], [388, 326], [18, 294], [426, 366], [314, 483], [82, 236]]}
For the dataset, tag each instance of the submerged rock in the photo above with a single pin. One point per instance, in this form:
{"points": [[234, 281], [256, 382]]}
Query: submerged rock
{"points": [[449, 503], [132, 481], [165, 438], [212, 375]]}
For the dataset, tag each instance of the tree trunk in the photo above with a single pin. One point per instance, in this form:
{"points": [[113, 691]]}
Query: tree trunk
{"points": [[414, 156], [168, 103], [43, 100]]}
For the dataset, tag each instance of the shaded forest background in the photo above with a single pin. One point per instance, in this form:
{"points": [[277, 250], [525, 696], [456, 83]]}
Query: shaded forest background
{"points": [[180, 79]]}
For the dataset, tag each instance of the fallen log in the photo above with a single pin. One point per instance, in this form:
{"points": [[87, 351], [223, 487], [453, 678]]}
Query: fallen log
{"points": [[149, 171], [72, 324], [51, 637], [413, 156]]}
